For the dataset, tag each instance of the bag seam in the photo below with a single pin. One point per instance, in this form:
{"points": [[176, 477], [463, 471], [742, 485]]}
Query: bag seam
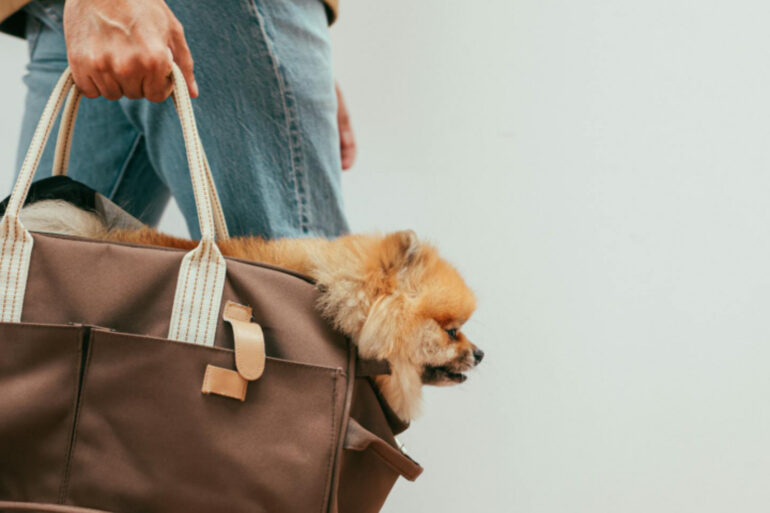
{"points": [[332, 444], [199, 348], [334, 482], [261, 265], [75, 394], [81, 386]]}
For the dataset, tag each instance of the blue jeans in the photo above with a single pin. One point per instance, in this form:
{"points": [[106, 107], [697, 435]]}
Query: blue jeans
{"points": [[267, 115]]}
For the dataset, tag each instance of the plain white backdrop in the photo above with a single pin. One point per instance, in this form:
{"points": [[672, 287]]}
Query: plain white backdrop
{"points": [[598, 170]]}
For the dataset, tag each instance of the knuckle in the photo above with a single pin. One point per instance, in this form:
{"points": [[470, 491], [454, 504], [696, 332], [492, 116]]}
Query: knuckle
{"points": [[125, 68], [155, 60], [77, 59], [177, 28], [98, 63], [156, 95], [157, 64], [157, 91], [89, 92], [148, 63]]}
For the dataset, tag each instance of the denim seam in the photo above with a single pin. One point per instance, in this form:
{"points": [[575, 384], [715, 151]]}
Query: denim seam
{"points": [[288, 103], [124, 168]]}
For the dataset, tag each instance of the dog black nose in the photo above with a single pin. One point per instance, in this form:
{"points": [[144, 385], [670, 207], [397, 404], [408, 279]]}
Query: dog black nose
{"points": [[478, 355]]}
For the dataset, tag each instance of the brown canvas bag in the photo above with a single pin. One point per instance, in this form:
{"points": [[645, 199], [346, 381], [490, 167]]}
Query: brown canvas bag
{"points": [[146, 379]]}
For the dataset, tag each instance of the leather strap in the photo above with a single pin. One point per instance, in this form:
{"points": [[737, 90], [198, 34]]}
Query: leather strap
{"points": [[358, 438], [224, 382], [369, 368], [38, 507], [249, 341], [202, 273]]}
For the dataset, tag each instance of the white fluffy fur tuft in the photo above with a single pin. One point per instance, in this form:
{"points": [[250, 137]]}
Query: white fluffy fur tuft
{"points": [[59, 216]]}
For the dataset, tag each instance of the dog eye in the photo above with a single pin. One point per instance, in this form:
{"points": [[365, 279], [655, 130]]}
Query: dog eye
{"points": [[452, 333]]}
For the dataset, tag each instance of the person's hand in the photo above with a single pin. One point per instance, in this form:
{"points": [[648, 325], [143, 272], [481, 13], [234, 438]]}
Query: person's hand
{"points": [[121, 48], [347, 139]]}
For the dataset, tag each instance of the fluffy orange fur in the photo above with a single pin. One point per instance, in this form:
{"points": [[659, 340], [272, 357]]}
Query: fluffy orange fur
{"points": [[392, 294]]}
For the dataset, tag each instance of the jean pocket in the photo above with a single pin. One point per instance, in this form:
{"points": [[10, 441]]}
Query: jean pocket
{"points": [[45, 38], [47, 12]]}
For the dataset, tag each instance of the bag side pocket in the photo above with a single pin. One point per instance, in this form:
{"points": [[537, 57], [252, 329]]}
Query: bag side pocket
{"points": [[359, 438], [371, 461]]}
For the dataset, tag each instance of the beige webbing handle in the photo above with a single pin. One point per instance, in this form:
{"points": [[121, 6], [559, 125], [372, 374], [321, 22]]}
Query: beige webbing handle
{"points": [[64, 146], [202, 273]]}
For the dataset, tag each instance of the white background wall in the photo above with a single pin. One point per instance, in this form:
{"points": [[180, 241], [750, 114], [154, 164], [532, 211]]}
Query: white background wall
{"points": [[598, 170]]}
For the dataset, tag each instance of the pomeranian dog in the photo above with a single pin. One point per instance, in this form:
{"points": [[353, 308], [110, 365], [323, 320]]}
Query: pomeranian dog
{"points": [[393, 295]]}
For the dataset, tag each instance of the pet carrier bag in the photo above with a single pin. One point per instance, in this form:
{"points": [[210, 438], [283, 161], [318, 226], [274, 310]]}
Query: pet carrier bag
{"points": [[145, 379]]}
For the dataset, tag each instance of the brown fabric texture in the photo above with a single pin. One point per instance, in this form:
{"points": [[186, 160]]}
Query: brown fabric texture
{"points": [[48, 508], [39, 368], [108, 414]]}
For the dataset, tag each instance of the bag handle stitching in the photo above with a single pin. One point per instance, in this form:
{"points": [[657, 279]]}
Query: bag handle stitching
{"points": [[199, 286]]}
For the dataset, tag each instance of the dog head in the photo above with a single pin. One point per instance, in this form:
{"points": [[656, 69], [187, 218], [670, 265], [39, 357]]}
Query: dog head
{"points": [[407, 305]]}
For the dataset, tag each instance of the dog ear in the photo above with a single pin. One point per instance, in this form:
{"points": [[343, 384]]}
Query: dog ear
{"points": [[399, 249]]}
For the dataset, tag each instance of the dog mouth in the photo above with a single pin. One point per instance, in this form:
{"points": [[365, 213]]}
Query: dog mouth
{"points": [[442, 375]]}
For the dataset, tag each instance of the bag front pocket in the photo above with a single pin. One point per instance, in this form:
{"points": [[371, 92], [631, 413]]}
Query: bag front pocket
{"points": [[39, 373], [148, 440]]}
